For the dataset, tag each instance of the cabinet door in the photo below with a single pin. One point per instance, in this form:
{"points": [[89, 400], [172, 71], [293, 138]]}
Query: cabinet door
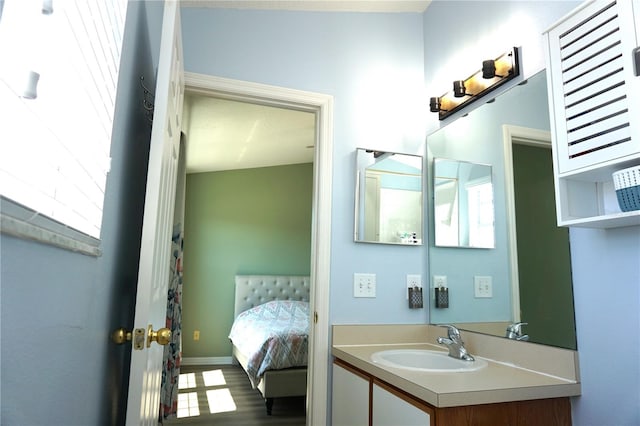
{"points": [[592, 86], [392, 408], [350, 398]]}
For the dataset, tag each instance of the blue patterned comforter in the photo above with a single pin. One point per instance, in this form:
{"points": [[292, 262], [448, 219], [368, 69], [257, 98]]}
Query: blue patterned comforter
{"points": [[273, 336]]}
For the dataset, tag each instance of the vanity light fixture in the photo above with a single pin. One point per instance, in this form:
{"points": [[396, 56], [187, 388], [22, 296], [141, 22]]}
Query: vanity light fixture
{"points": [[434, 104], [488, 68], [494, 73], [459, 90]]}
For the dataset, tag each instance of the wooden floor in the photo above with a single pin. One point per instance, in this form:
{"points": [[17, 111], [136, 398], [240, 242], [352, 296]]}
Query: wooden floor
{"points": [[250, 407]]}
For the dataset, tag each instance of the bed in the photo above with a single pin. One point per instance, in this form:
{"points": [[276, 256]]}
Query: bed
{"points": [[254, 297]]}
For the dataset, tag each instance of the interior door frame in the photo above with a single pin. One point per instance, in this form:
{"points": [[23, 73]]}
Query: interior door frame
{"points": [[322, 106], [523, 136]]}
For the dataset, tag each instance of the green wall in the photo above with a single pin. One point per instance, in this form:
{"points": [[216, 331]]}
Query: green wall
{"points": [[251, 221], [544, 261]]}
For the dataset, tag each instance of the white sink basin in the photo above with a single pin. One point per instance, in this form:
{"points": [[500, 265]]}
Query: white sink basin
{"points": [[425, 360]]}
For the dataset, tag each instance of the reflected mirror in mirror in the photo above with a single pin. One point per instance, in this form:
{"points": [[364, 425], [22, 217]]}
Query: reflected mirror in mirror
{"points": [[388, 197], [463, 204], [530, 267]]}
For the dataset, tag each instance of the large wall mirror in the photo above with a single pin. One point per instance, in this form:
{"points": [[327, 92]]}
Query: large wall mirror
{"points": [[462, 204], [388, 206], [530, 264]]}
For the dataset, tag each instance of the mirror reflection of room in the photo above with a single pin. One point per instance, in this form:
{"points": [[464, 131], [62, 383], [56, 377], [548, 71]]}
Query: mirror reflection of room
{"points": [[388, 198], [529, 282]]}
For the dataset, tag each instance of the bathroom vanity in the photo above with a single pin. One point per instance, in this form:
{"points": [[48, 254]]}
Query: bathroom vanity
{"points": [[522, 384]]}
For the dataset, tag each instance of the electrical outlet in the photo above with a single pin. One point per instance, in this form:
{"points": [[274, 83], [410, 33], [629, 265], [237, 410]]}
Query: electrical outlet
{"points": [[196, 334], [439, 281], [413, 281], [483, 286], [440, 291], [364, 285]]}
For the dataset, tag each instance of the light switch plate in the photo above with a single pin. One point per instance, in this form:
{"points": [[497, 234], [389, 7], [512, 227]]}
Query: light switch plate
{"points": [[364, 285], [483, 286]]}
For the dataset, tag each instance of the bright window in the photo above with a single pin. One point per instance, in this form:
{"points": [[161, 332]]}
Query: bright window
{"points": [[480, 199], [55, 149]]}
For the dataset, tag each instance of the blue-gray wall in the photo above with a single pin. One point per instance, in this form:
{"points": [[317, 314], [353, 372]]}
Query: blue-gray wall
{"points": [[58, 307], [360, 59], [373, 65], [602, 261]]}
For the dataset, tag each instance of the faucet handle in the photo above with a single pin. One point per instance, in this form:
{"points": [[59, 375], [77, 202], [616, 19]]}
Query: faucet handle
{"points": [[516, 327], [452, 331]]}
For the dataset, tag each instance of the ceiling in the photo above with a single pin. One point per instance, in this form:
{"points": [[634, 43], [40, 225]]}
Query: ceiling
{"points": [[387, 6], [225, 134]]}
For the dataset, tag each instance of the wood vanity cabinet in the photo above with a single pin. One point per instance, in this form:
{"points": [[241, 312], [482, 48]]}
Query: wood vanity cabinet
{"points": [[360, 399], [593, 81]]}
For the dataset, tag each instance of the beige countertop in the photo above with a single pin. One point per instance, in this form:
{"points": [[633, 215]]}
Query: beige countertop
{"points": [[503, 379]]}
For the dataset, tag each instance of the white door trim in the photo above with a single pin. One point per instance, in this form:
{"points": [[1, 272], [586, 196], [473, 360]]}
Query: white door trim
{"points": [[522, 136], [322, 105]]}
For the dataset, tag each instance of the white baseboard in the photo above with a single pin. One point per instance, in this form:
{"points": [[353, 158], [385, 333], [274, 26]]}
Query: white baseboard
{"points": [[215, 360]]}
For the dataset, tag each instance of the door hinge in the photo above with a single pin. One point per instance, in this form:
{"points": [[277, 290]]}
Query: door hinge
{"points": [[315, 317]]}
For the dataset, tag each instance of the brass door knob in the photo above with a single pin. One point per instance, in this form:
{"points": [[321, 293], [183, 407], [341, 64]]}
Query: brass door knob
{"points": [[162, 336], [121, 336]]}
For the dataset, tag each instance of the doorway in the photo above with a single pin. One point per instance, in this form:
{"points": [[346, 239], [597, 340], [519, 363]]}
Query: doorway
{"points": [[539, 250], [321, 106]]}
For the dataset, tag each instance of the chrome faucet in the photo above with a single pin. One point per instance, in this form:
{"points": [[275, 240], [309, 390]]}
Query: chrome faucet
{"points": [[455, 344], [514, 331]]}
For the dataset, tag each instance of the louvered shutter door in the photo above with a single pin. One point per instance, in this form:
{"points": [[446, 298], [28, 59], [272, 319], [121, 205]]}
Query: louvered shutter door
{"points": [[595, 93]]}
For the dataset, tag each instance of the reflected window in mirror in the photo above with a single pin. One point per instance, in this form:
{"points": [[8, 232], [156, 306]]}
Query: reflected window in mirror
{"points": [[388, 199], [463, 204]]}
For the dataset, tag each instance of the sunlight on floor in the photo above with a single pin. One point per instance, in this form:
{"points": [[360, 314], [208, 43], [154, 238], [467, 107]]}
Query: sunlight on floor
{"points": [[187, 381], [220, 400], [188, 405], [213, 378]]}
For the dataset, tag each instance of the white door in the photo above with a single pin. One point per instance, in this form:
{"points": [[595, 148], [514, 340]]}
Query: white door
{"points": [[153, 276]]}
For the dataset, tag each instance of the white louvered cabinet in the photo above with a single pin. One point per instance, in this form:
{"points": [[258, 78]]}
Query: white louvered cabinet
{"points": [[594, 96]]}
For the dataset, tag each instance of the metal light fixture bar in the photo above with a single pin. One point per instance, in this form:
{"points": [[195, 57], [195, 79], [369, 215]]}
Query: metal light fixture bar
{"points": [[494, 73]]}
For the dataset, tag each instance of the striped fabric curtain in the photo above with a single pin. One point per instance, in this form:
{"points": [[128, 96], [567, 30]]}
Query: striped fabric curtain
{"points": [[173, 351]]}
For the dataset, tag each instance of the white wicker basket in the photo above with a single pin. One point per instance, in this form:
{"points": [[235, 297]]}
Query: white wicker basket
{"points": [[627, 185], [627, 177]]}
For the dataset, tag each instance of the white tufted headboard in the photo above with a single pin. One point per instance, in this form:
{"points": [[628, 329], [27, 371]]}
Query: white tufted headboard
{"points": [[253, 290]]}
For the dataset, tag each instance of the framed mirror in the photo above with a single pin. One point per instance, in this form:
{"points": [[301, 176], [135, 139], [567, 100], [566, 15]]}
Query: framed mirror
{"points": [[388, 207], [463, 204], [529, 268]]}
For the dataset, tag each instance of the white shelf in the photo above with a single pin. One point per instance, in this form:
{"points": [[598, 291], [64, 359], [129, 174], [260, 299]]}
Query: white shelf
{"points": [[594, 114], [618, 220]]}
